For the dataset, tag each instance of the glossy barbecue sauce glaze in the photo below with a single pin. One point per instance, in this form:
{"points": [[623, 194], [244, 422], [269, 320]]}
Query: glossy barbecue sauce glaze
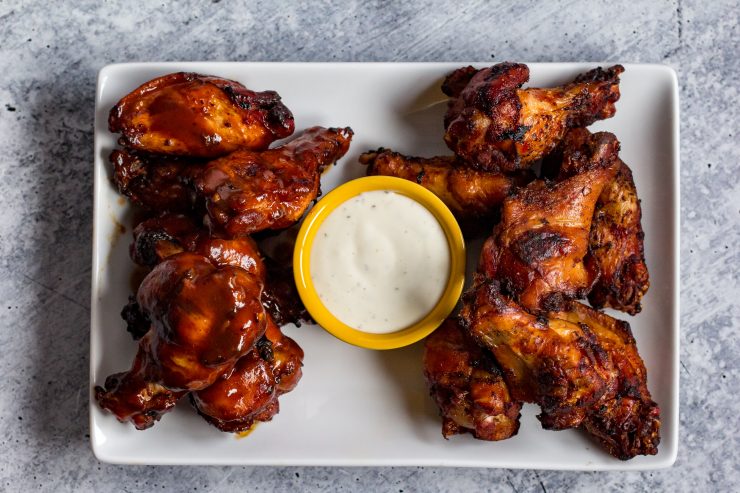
{"points": [[380, 262]]}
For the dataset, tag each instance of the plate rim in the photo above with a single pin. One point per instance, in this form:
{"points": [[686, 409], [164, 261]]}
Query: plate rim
{"points": [[668, 457]]}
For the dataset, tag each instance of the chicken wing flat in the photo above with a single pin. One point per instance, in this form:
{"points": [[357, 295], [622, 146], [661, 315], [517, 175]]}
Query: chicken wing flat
{"points": [[204, 318], [250, 393], [156, 183], [196, 115], [626, 421], [250, 191], [538, 249], [616, 243], [467, 386], [470, 194], [554, 363], [494, 124]]}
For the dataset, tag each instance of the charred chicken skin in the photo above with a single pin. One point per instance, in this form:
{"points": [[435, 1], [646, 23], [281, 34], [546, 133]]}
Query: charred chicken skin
{"points": [[493, 124], [248, 191], [554, 363], [194, 115], [468, 387], [626, 420], [539, 249], [204, 318], [250, 393], [616, 242], [472, 195]]}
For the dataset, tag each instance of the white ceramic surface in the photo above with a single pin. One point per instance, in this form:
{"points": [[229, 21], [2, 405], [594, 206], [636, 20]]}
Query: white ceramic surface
{"points": [[357, 407]]}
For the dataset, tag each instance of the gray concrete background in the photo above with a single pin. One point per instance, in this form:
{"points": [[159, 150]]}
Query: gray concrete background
{"points": [[49, 56]]}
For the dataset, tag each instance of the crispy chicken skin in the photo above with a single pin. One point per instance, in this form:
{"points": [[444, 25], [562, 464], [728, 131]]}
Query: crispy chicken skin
{"points": [[470, 194], [617, 245], [539, 248], [250, 393], [616, 242], [553, 363], [204, 318], [156, 183], [466, 383], [493, 124], [626, 421], [248, 191], [199, 116]]}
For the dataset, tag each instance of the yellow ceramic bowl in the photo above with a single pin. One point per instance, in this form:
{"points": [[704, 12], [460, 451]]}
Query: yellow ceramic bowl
{"points": [[302, 263]]}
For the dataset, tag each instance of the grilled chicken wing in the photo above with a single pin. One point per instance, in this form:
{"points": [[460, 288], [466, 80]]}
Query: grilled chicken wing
{"points": [[156, 183], [554, 363], [616, 240], [627, 420], [200, 116], [204, 318], [466, 383], [494, 124], [250, 191], [470, 194], [251, 392], [539, 247]]}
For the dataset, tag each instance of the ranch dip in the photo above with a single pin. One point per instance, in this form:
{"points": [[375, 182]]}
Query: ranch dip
{"points": [[380, 262]]}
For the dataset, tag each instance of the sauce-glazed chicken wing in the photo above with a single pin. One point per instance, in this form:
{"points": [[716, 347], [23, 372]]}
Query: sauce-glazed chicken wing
{"points": [[470, 194], [158, 238], [204, 318], [249, 191], [468, 387], [156, 183], [626, 420], [539, 249], [250, 393], [199, 116], [494, 124]]}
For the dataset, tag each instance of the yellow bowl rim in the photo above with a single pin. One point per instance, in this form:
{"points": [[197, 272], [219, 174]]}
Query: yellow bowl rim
{"points": [[302, 270]]}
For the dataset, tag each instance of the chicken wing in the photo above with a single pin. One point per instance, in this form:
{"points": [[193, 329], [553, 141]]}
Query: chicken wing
{"points": [[554, 363], [616, 242], [251, 392], [250, 191], [204, 318], [494, 124], [538, 249], [473, 196], [627, 420], [156, 183], [196, 115], [158, 238], [468, 387]]}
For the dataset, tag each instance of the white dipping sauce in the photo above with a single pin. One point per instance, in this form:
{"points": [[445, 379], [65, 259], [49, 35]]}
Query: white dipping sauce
{"points": [[380, 262]]}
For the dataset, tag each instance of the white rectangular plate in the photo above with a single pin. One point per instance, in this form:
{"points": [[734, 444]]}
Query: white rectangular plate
{"points": [[356, 407]]}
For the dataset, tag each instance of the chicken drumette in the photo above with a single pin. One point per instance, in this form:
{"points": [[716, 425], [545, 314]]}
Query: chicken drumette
{"points": [[474, 196], [493, 124], [203, 319], [197, 115]]}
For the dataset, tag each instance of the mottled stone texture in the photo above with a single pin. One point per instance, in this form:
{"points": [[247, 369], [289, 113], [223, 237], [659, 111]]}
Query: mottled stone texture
{"points": [[49, 60]]}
